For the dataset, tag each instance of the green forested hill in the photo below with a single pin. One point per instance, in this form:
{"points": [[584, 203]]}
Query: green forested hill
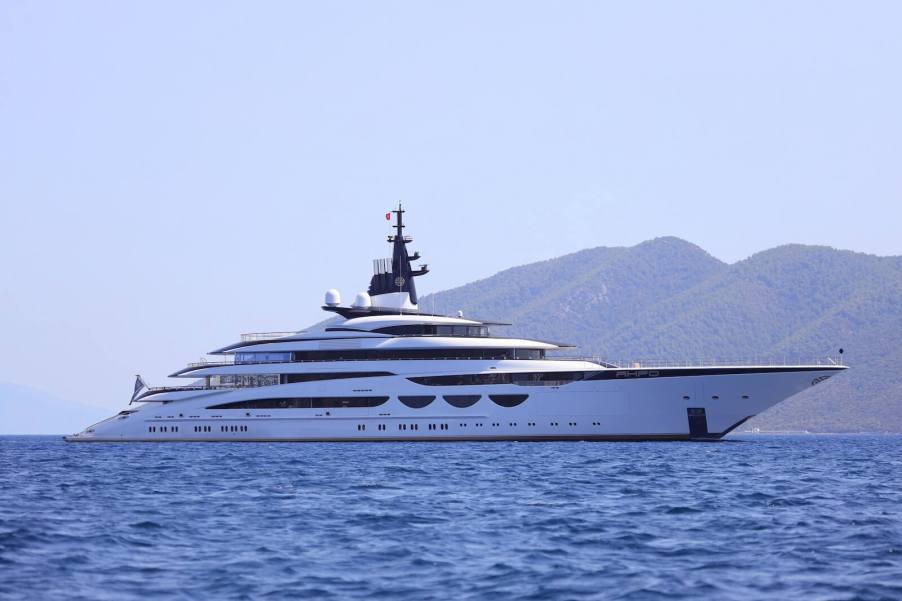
{"points": [[667, 299]]}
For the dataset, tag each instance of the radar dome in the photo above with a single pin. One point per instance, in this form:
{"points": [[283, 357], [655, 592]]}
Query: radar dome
{"points": [[362, 301], [333, 298]]}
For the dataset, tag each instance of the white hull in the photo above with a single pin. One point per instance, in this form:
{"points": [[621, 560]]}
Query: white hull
{"points": [[632, 407], [388, 372]]}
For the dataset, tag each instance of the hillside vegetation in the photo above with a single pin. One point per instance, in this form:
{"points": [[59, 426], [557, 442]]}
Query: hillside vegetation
{"points": [[667, 299]]}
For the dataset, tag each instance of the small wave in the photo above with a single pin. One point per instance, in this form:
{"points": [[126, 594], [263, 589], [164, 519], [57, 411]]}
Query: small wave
{"points": [[681, 510], [146, 525], [453, 521]]}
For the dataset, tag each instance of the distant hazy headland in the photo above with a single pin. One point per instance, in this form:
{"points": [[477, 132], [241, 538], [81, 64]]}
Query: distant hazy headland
{"points": [[667, 299], [26, 410]]}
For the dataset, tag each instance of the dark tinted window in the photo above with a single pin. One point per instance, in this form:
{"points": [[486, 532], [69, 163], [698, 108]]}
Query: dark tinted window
{"points": [[416, 402], [508, 400], [463, 379], [433, 330], [546, 378], [410, 330], [462, 401], [434, 353], [305, 403], [262, 357], [294, 378], [549, 378]]}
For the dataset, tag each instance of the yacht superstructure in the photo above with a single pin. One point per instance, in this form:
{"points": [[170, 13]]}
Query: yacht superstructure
{"points": [[388, 371]]}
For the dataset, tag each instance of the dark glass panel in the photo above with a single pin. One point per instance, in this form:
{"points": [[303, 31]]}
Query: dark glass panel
{"points": [[508, 400], [434, 353], [462, 401], [314, 377], [416, 402], [546, 378], [551, 378], [304, 403]]}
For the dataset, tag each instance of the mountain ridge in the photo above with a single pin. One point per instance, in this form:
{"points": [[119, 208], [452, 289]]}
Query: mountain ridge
{"points": [[667, 298]]}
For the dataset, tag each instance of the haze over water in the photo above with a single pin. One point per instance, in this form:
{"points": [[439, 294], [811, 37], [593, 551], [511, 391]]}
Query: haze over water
{"points": [[754, 517]]}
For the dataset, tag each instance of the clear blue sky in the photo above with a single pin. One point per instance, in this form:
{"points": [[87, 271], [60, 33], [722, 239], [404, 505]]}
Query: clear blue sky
{"points": [[175, 173]]}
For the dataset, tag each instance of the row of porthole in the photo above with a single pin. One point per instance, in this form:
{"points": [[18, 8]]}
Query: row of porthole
{"points": [[382, 427], [360, 427], [156, 429], [715, 397]]}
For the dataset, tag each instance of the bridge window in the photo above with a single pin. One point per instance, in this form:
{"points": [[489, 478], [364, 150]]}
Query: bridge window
{"points": [[262, 357]]}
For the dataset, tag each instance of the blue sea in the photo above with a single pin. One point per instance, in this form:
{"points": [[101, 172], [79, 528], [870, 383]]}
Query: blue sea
{"points": [[752, 517]]}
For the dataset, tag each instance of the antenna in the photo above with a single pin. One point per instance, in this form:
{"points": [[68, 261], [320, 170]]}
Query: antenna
{"points": [[398, 279]]}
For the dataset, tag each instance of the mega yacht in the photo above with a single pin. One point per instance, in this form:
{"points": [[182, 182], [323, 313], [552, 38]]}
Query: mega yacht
{"points": [[383, 370]]}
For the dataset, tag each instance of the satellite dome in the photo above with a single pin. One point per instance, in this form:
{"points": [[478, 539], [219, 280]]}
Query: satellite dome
{"points": [[333, 298], [362, 301]]}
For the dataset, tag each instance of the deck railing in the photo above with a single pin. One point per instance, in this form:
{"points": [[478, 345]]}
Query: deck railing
{"points": [[253, 336], [763, 361], [621, 364], [216, 363]]}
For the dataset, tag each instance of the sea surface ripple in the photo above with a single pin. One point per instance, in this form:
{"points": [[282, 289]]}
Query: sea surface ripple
{"points": [[753, 517]]}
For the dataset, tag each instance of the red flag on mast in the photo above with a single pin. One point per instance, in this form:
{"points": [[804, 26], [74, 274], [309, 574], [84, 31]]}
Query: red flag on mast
{"points": [[388, 216]]}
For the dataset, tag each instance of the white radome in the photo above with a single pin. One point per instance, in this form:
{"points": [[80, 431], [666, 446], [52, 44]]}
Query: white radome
{"points": [[333, 298], [362, 301]]}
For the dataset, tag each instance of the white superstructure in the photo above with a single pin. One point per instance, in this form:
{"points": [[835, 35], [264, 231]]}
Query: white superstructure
{"points": [[389, 372]]}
